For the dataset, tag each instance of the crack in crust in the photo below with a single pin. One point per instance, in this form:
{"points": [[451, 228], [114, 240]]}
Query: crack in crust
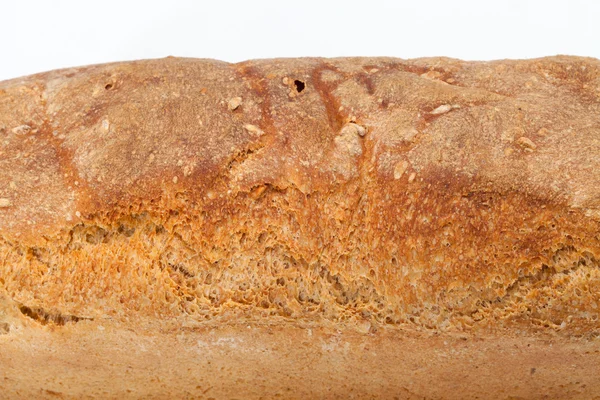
{"points": [[325, 90], [44, 317], [161, 263]]}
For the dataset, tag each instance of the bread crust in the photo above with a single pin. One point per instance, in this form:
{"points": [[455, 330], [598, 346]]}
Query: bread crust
{"points": [[434, 192]]}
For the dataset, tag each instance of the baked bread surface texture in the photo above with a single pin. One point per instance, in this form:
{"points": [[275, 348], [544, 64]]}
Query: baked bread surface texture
{"points": [[431, 191], [431, 194]]}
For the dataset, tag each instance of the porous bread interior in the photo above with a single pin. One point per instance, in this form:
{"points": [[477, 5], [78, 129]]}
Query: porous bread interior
{"points": [[262, 254]]}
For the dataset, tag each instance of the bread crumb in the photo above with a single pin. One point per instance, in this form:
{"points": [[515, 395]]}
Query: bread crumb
{"points": [[234, 103], [400, 169], [361, 130], [412, 177], [77, 214], [21, 130], [444, 108], [285, 80], [175, 179], [354, 128], [526, 143], [179, 163], [5, 203], [254, 130], [12, 185]]}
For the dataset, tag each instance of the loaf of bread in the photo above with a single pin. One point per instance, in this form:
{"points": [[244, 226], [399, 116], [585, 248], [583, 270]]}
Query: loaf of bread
{"points": [[366, 226]]}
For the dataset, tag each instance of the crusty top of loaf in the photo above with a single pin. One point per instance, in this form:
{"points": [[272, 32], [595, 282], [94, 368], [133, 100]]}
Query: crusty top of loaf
{"points": [[386, 159], [81, 140]]}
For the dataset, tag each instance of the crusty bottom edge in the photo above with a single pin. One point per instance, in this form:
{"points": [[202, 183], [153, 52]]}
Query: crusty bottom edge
{"points": [[106, 359]]}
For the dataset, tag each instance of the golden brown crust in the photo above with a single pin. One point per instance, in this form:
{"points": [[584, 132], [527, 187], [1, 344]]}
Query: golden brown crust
{"points": [[393, 198], [99, 360], [437, 192]]}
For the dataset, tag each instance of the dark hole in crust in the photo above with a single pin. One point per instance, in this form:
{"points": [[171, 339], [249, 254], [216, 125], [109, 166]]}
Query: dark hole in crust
{"points": [[108, 86], [44, 317], [299, 85]]}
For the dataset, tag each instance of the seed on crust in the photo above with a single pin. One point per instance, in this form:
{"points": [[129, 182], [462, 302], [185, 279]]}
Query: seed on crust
{"points": [[234, 103]]}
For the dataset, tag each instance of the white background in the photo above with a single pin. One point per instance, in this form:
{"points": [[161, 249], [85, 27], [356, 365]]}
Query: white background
{"points": [[41, 35]]}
